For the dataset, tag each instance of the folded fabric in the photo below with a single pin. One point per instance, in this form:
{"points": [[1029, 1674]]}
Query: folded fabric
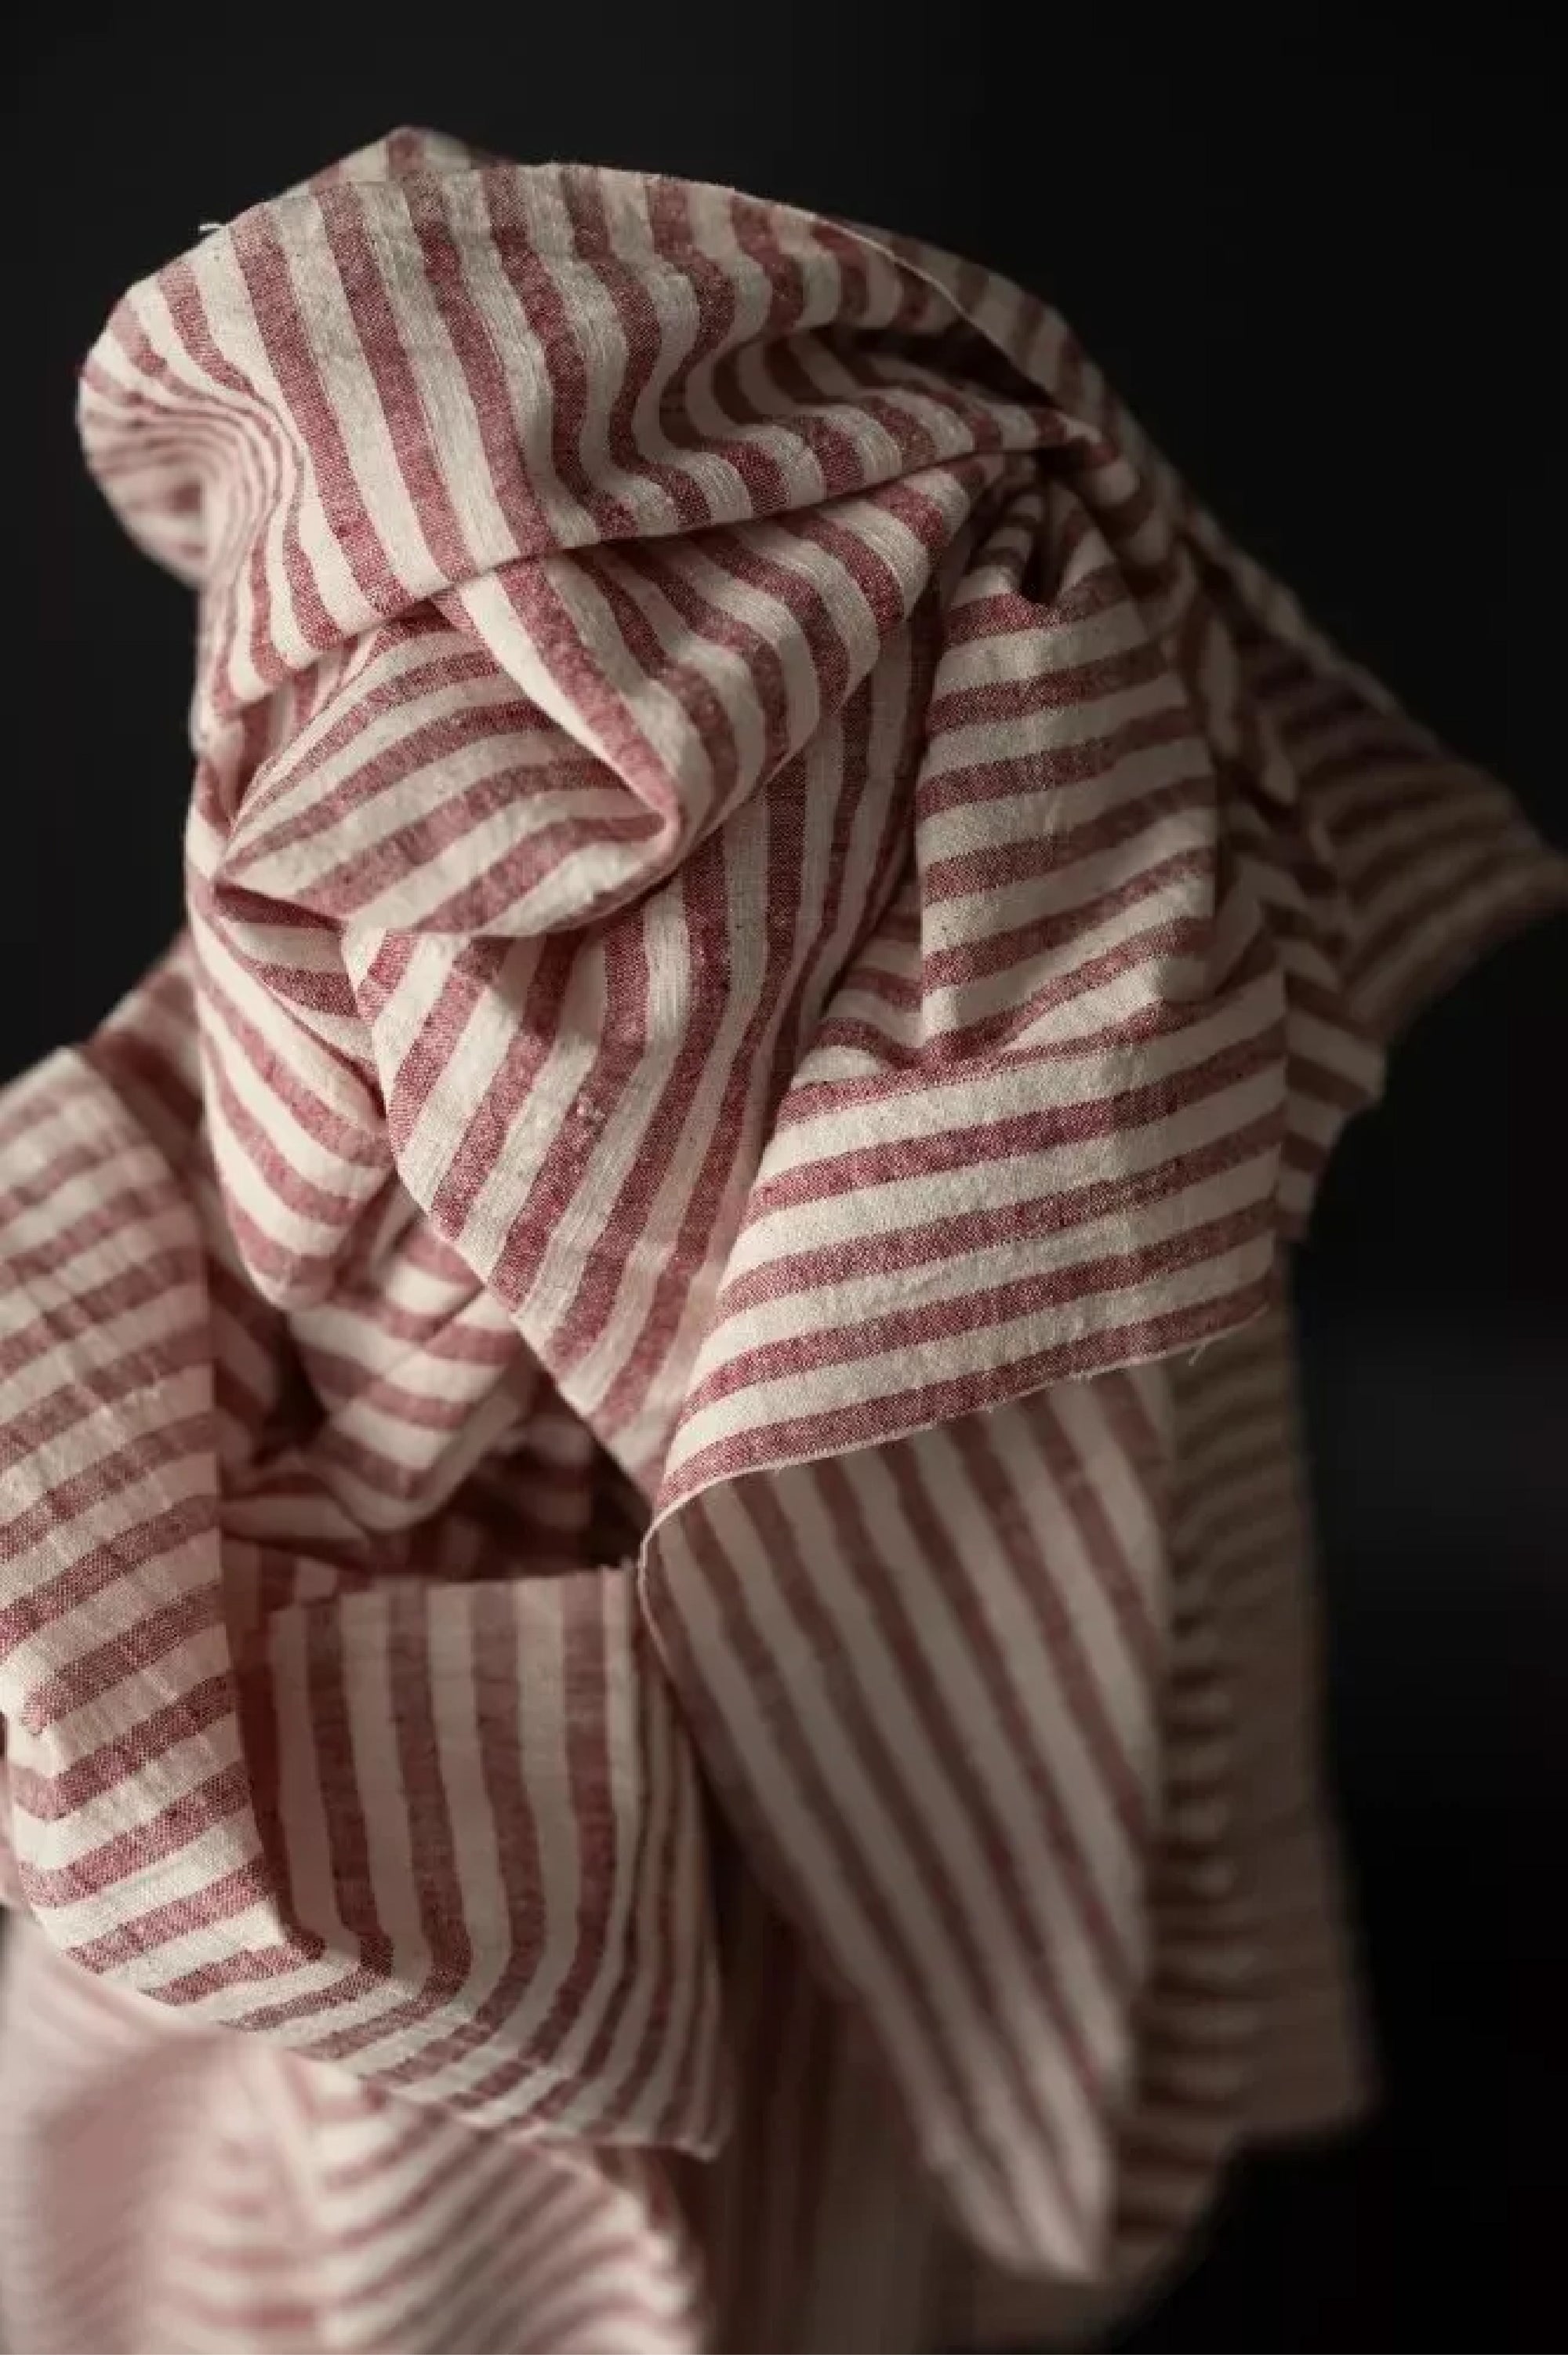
{"points": [[655, 1672]]}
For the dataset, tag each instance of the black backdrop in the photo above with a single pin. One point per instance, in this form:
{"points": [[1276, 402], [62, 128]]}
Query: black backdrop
{"points": [[1326, 267]]}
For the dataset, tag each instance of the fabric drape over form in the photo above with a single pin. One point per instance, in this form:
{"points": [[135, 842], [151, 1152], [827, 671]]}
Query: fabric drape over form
{"points": [[656, 1680]]}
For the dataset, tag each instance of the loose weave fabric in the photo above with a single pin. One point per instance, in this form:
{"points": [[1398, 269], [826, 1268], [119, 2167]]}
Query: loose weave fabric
{"points": [[654, 1649]]}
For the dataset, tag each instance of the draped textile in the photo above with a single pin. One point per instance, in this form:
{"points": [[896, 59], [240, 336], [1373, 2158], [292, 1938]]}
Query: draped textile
{"points": [[655, 1648]]}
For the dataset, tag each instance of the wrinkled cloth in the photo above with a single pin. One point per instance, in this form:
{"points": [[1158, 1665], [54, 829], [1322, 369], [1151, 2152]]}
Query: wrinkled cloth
{"points": [[655, 1652]]}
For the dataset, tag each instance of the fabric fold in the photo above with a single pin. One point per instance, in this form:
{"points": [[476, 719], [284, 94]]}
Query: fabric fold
{"points": [[260, 1782]]}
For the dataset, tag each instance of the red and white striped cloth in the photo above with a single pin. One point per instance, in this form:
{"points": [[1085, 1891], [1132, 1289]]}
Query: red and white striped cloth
{"points": [[653, 1657]]}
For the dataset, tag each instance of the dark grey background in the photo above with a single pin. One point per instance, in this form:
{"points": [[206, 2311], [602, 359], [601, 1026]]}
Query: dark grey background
{"points": [[1326, 266]]}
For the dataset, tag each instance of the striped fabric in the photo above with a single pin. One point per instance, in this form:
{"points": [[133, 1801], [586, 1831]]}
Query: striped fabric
{"points": [[653, 1644]]}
